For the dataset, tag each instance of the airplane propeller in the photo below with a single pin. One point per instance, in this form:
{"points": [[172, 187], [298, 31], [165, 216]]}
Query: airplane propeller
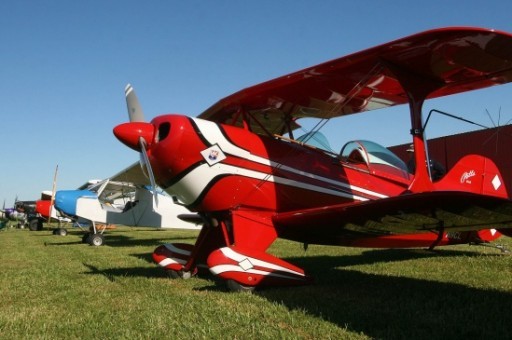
{"points": [[132, 104], [54, 189], [144, 133]]}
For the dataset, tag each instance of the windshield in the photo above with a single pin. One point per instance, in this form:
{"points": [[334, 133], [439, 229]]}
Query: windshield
{"points": [[316, 139]]}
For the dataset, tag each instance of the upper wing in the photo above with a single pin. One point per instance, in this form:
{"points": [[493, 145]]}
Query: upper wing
{"points": [[123, 184], [451, 210], [456, 59], [132, 174]]}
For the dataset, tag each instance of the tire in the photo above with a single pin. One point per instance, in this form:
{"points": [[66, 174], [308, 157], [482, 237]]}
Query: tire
{"points": [[237, 287], [173, 274], [33, 225], [96, 240], [62, 232]]}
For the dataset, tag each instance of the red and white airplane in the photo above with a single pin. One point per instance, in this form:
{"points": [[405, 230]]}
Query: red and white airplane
{"points": [[251, 184]]}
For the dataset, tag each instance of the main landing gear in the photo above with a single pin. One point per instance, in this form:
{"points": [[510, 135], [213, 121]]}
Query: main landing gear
{"points": [[60, 231], [95, 237], [244, 266]]}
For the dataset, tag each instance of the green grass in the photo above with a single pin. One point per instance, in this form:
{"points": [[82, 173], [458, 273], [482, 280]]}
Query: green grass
{"points": [[56, 287]]}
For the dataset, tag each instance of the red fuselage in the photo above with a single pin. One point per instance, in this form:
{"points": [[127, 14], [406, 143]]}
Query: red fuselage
{"points": [[215, 167]]}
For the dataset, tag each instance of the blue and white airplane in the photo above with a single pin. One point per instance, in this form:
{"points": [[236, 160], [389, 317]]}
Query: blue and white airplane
{"points": [[124, 199]]}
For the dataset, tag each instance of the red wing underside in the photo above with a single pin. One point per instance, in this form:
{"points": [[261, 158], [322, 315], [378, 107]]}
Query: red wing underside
{"points": [[412, 213], [447, 61]]}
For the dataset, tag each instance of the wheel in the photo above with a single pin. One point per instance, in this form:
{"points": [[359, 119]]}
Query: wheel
{"points": [[33, 225], [62, 232], [96, 240], [237, 287], [174, 274]]}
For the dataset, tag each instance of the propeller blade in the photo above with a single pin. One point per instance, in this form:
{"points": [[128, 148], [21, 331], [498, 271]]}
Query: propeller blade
{"points": [[132, 103], [145, 162], [54, 189]]}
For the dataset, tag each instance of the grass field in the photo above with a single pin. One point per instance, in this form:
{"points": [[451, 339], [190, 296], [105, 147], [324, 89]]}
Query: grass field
{"points": [[56, 287]]}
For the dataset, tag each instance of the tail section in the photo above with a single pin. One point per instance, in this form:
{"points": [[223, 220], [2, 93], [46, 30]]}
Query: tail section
{"points": [[476, 174], [479, 175]]}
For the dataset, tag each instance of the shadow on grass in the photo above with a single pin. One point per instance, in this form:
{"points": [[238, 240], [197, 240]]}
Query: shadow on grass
{"points": [[148, 257], [118, 240], [380, 256], [112, 273], [387, 307], [378, 306]]}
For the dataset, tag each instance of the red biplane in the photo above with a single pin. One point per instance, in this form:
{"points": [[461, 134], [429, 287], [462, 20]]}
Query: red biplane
{"points": [[240, 166]]}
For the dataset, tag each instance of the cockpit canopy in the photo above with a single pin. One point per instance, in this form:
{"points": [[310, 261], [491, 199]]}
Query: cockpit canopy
{"points": [[373, 157]]}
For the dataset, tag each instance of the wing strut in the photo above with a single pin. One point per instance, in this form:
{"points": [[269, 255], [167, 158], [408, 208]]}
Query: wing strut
{"points": [[417, 89]]}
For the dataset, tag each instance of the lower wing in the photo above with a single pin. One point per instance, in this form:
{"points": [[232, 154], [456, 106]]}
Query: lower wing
{"points": [[405, 214]]}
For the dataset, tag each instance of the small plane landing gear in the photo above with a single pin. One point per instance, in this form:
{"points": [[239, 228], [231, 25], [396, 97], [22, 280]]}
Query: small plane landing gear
{"points": [[237, 287], [35, 224], [60, 231], [95, 239], [180, 274]]}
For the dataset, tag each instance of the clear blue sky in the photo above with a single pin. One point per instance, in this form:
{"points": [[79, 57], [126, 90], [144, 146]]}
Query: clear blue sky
{"points": [[64, 65]]}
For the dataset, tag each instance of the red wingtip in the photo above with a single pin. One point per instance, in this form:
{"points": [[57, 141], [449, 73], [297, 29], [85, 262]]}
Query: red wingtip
{"points": [[130, 133]]}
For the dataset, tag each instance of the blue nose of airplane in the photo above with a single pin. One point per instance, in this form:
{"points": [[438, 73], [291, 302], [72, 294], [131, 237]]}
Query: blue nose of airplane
{"points": [[65, 200]]}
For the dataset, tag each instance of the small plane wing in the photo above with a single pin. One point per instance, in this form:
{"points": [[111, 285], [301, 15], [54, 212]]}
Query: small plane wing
{"points": [[451, 60], [123, 184], [132, 174], [410, 213]]}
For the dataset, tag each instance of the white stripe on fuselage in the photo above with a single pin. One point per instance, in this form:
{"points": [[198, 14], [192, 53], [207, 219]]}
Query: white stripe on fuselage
{"points": [[190, 187], [201, 176]]}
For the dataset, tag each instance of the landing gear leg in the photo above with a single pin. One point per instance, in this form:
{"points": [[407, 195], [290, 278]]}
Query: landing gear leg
{"points": [[95, 238], [438, 239]]}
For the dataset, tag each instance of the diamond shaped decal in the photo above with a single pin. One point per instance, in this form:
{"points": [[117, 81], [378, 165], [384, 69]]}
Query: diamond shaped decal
{"points": [[496, 183], [245, 264], [213, 155]]}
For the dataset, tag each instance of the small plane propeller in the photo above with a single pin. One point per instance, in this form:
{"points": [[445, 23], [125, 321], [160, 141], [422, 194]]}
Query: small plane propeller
{"points": [[136, 114], [132, 104], [54, 190], [145, 162]]}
